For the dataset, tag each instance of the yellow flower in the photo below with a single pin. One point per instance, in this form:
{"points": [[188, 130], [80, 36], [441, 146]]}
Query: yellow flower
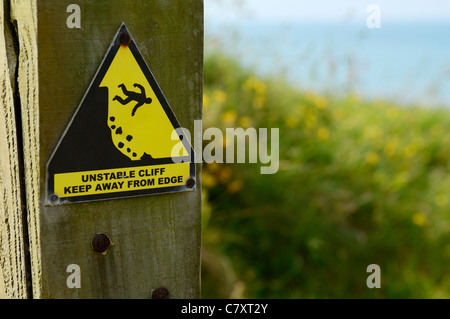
{"points": [[260, 87], [321, 102], [205, 101], [391, 147], [235, 186], [229, 117], [373, 132], [213, 167], [323, 133], [219, 96], [253, 83], [311, 119], [410, 150], [225, 174], [441, 200], [291, 121], [419, 219], [372, 158], [246, 122], [258, 102], [208, 180]]}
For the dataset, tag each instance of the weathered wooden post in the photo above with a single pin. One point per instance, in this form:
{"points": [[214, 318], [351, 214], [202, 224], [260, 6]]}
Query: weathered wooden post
{"points": [[112, 194], [12, 235]]}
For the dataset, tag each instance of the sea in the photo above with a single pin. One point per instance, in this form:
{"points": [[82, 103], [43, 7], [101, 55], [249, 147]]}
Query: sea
{"points": [[406, 62]]}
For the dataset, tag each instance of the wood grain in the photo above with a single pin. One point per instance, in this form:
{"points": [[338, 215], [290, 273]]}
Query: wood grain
{"points": [[13, 281], [156, 238]]}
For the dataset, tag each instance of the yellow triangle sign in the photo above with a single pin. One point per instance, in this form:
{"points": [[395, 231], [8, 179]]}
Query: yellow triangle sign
{"points": [[124, 139]]}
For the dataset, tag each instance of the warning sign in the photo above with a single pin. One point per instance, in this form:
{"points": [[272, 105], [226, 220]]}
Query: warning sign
{"points": [[123, 139]]}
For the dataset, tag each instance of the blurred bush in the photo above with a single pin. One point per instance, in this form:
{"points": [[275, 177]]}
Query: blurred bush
{"points": [[360, 182]]}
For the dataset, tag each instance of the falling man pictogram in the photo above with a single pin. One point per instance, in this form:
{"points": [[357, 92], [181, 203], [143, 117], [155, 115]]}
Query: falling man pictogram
{"points": [[141, 98]]}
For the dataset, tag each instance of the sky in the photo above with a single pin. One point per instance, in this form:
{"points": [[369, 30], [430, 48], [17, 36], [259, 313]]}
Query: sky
{"points": [[324, 10]]}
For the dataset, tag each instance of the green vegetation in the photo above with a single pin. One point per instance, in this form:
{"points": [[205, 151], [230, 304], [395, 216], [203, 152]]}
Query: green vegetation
{"points": [[360, 182]]}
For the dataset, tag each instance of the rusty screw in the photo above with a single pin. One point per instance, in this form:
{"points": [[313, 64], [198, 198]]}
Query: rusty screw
{"points": [[190, 183], [125, 38], [160, 293], [100, 243]]}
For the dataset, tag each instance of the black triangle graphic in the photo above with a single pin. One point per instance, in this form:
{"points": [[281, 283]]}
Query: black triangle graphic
{"points": [[86, 145]]}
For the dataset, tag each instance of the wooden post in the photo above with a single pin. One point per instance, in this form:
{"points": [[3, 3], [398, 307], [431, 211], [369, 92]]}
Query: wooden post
{"points": [[12, 241], [156, 238]]}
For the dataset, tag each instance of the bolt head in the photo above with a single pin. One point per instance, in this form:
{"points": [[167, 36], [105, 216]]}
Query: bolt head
{"points": [[125, 38], [54, 199], [100, 243], [190, 183], [160, 293]]}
